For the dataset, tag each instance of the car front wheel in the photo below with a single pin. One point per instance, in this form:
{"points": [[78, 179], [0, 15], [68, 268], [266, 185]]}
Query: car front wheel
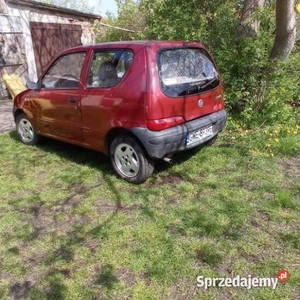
{"points": [[130, 160], [26, 131]]}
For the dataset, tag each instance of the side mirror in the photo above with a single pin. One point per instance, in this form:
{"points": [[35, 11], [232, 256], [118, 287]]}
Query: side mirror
{"points": [[32, 85]]}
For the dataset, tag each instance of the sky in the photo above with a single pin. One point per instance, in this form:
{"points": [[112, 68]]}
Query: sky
{"points": [[106, 5]]}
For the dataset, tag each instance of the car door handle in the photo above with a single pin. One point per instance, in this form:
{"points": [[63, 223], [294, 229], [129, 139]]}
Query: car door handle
{"points": [[72, 100]]}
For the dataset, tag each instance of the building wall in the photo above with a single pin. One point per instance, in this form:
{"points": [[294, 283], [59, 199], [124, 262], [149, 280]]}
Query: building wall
{"points": [[12, 50], [28, 15]]}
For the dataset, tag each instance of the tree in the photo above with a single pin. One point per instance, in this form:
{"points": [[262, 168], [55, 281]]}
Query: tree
{"points": [[125, 26], [285, 29], [249, 24], [240, 35]]}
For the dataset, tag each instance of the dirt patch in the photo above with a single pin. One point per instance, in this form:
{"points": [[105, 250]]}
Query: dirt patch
{"points": [[290, 166], [126, 276], [170, 179], [7, 123], [20, 290]]}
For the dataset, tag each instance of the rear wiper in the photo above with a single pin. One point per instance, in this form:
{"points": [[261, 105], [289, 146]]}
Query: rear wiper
{"points": [[197, 87], [191, 90], [208, 83]]}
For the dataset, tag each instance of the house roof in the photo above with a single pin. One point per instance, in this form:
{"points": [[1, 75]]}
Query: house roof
{"points": [[56, 9]]}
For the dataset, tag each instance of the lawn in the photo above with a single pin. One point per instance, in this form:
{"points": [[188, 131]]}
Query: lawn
{"points": [[71, 230]]}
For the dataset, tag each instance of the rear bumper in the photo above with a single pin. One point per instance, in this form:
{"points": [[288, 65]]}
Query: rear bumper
{"points": [[161, 143]]}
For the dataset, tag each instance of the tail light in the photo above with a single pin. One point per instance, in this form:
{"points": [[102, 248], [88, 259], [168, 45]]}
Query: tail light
{"points": [[165, 123]]}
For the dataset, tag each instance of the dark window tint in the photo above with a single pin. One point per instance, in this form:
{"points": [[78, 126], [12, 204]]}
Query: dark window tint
{"points": [[186, 71]]}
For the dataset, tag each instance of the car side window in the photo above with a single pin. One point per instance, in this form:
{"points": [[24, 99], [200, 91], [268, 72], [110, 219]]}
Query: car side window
{"points": [[65, 72], [108, 68]]}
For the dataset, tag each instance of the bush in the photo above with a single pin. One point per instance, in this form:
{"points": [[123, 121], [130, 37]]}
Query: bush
{"points": [[257, 90]]}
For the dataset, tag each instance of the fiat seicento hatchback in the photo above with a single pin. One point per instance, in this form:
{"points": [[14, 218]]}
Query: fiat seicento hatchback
{"points": [[137, 102]]}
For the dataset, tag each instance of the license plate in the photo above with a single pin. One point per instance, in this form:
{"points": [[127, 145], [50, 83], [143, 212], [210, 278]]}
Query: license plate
{"points": [[198, 135]]}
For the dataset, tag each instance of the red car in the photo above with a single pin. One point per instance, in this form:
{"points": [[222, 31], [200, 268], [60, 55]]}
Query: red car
{"points": [[135, 101]]}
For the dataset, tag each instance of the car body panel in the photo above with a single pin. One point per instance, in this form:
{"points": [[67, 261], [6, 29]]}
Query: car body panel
{"points": [[53, 114], [86, 115], [121, 106]]}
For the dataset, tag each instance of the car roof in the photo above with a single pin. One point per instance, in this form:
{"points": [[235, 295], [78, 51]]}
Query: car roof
{"points": [[137, 44]]}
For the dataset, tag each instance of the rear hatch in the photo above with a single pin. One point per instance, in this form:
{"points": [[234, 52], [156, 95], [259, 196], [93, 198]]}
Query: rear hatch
{"points": [[189, 86]]}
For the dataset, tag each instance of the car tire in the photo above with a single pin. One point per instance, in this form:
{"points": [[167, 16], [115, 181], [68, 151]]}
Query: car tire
{"points": [[26, 130], [129, 159]]}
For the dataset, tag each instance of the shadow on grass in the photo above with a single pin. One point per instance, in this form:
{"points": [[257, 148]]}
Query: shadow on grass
{"points": [[106, 277], [55, 288], [73, 153], [61, 262], [20, 291], [60, 259], [72, 232], [97, 160]]}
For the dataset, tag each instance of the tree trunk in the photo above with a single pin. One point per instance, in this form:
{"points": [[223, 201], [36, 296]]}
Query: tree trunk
{"points": [[249, 26], [285, 29]]}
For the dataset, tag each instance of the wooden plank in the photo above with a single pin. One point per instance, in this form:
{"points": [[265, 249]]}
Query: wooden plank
{"points": [[14, 84]]}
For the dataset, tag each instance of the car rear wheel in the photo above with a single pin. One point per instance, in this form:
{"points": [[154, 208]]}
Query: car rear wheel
{"points": [[130, 160], [26, 131]]}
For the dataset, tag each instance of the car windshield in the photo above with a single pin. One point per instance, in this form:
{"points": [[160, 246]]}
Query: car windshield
{"points": [[186, 71]]}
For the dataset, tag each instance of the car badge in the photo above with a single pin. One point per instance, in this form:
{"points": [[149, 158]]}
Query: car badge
{"points": [[200, 103]]}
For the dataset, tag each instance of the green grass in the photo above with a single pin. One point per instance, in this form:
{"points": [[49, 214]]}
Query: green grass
{"points": [[71, 230]]}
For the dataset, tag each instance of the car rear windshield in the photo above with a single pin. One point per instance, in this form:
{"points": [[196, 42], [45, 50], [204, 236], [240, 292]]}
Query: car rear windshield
{"points": [[186, 71]]}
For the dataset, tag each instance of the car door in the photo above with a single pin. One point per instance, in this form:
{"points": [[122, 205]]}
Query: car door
{"points": [[104, 95], [56, 105]]}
